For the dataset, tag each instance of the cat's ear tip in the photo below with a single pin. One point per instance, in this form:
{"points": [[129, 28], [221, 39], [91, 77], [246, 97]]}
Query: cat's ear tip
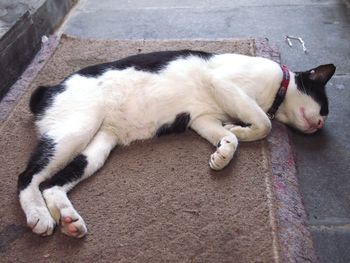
{"points": [[322, 73], [332, 66], [327, 69]]}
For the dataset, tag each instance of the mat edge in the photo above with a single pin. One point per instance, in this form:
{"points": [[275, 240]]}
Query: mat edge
{"points": [[289, 222], [70, 37]]}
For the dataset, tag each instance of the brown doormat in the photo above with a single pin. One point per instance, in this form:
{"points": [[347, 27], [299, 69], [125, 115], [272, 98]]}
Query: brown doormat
{"points": [[154, 201]]}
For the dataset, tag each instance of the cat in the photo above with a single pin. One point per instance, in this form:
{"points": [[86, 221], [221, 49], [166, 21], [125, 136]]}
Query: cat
{"points": [[225, 98]]}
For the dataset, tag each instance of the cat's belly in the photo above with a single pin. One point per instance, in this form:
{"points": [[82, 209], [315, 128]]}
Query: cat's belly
{"points": [[128, 130], [126, 119], [137, 115], [133, 118]]}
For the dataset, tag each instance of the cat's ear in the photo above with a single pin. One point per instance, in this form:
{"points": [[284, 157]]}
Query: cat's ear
{"points": [[322, 73]]}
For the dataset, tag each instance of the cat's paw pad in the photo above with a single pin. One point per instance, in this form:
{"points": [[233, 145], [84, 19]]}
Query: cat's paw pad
{"points": [[40, 221], [72, 224], [224, 153]]}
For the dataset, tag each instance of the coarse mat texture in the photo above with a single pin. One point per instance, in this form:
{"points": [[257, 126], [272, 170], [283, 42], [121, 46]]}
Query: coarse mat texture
{"points": [[154, 201]]}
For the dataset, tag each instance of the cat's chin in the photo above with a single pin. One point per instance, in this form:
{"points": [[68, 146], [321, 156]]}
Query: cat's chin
{"points": [[303, 129], [306, 129], [310, 131]]}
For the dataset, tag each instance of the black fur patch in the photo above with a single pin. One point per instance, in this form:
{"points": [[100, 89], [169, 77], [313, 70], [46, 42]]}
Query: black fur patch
{"points": [[150, 62], [37, 162], [314, 89], [179, 125], [43, 97], [72, 172]]}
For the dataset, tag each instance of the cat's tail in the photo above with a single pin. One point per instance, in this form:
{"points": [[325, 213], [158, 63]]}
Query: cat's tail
{"points": [[42, 98], [36, 100]]}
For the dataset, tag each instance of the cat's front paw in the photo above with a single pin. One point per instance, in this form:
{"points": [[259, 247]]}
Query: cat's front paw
{"points": [[241, 132], [250, 132], [224, 153]]}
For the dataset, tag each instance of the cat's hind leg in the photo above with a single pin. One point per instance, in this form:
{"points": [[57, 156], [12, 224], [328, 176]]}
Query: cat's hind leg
{"points": [[33, 205], [56, 147], [85, 164], [226, 142]]}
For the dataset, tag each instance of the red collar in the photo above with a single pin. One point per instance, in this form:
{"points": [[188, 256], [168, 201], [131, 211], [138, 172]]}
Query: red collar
{"points": [[280, 94]]}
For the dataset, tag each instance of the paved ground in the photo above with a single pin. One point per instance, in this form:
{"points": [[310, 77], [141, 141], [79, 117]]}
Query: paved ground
{"points": [[323, 159]]}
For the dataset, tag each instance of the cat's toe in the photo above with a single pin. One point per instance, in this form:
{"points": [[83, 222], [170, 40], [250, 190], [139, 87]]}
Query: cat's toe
{"points": [[215, 162], [72, 224], [218, 160], [41, 222], [224, 153]]}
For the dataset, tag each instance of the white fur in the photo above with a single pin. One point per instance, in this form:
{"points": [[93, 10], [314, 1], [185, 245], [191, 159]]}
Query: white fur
{"points": [[94, 114]]}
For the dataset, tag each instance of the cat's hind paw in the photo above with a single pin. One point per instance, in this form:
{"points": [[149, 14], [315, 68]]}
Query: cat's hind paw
{"points": [[72, 224], [224, 153], [40, 221]]}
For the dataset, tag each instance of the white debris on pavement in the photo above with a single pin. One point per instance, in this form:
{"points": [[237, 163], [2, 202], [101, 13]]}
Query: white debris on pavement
{"points": [[44, 39], [288, 39]]}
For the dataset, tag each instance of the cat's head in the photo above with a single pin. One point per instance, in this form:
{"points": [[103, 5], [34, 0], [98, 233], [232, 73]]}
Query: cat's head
{"points": [[306, 104]]}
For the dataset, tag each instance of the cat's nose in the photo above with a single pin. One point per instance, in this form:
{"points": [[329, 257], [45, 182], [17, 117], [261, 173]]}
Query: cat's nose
{"points": [[320, 124]]}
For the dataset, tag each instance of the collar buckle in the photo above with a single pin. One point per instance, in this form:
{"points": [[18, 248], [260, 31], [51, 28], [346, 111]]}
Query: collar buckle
{"points": [[270, 115]]}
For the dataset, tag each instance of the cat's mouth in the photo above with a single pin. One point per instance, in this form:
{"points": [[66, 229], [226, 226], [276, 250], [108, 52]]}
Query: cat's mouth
{"points": [[310, 126]]}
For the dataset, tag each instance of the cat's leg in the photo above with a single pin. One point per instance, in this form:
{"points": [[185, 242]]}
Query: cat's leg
{"points": [[37, 215], [226, 142], [54, 150], [239, 105], [85, 164]]}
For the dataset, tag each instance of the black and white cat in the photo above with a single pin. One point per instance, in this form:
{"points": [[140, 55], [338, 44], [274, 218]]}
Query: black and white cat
{"points": [[82, 119]]}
